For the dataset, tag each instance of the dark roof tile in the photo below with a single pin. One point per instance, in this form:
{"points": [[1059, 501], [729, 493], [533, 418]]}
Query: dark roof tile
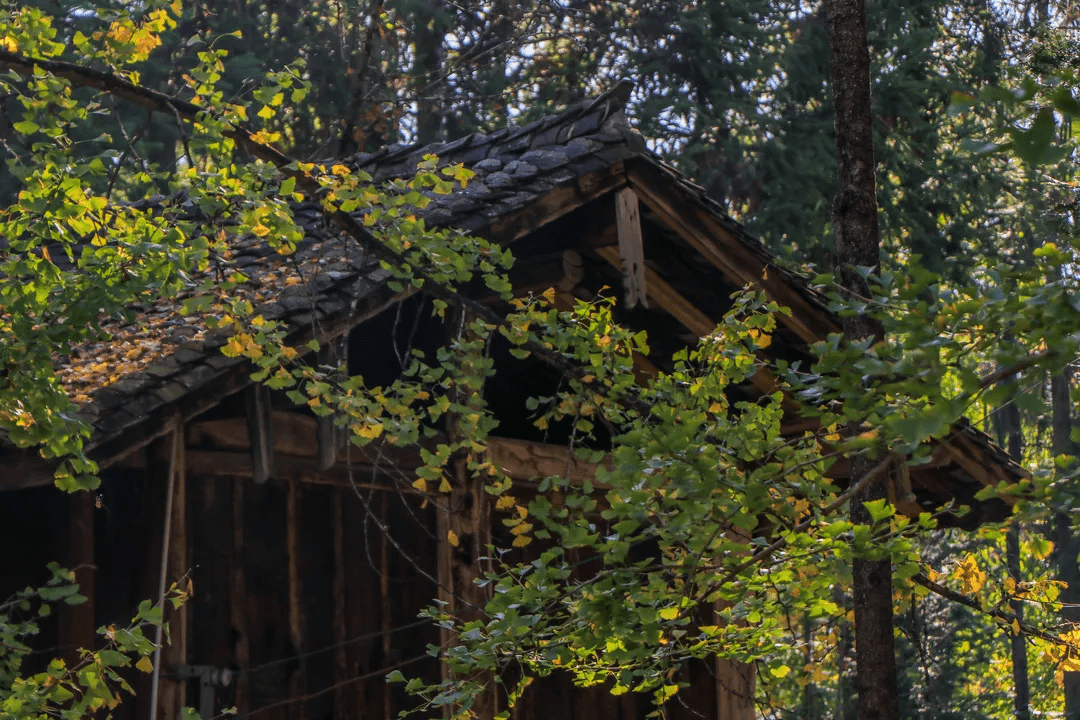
{"points": [[143, 404], [546, 159], [512, 146], [498, 180], [548, 137], [587, 124], [472, 223], [107, 398], [115, 421], [197, 376], [473, 154], [488, 165]]}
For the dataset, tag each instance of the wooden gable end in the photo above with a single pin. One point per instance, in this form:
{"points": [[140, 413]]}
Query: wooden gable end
{"points": [[693, 259]]}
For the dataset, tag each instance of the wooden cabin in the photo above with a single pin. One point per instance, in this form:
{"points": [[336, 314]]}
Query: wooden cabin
{"points": [[310, 559]]}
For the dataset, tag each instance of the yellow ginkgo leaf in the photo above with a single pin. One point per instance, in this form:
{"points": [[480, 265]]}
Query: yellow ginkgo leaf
{"points": [[452, 538]]}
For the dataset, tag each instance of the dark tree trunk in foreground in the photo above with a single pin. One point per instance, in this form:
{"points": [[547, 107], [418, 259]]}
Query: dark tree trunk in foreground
{"points": [[855, 224], [1014, 441], [1066, 543]]}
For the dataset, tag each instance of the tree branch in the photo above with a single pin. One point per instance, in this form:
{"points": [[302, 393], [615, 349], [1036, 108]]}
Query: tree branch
{"points": [[160, 102], [1008, 618]]}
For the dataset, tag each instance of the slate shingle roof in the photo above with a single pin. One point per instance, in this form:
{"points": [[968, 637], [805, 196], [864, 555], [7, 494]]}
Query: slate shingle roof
{"points": [[163, 358]]}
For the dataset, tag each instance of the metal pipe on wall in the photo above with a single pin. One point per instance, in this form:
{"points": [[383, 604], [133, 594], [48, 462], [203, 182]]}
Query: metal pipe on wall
{"points": [[173, 456]]}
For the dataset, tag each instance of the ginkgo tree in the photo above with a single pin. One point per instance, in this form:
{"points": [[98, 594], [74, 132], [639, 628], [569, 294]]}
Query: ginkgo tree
{"points": [[706, 503]]}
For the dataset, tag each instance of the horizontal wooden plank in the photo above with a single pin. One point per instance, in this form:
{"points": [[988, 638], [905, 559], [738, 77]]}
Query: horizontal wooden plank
{"points": [[293, 433], [220, 447], [360, 471], [526, 460]]}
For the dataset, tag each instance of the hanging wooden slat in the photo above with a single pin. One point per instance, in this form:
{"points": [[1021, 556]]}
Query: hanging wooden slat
{"points": [[628, 221], [260, 432], [329, 435]]}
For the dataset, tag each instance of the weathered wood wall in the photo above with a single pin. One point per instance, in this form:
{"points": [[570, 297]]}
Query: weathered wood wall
{"points": [[301, 586]]}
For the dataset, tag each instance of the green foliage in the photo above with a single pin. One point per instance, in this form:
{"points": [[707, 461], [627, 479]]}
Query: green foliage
{"points": [[92, 684], [707, 532]]}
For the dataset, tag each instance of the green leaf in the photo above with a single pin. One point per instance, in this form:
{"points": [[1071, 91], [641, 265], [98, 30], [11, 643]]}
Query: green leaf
{"points": [[1033, 145], [26, 127], [879, 509]]}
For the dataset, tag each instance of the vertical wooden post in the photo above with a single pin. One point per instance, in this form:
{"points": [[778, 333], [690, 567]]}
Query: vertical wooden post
{"points": [[464, 533], [341, 660], [172, 693], [386, 614], [77, 621], [239, 597], [735, 681], [298, 681]]}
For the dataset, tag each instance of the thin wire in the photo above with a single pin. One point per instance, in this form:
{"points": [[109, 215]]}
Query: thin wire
{"points": [[335, 686], [360, 638]]}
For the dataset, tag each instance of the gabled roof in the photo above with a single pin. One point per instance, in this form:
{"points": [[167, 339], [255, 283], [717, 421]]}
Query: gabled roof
{"points": [[162, 366]]}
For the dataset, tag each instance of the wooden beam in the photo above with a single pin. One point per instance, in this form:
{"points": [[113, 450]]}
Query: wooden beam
{"points": [[260, 431], [341, 632], [298, 677], [463, 534], [631, 251], [735, 681], [76, 622], [704, 233], [735, 684], [238, 599], [296, 456], [293, 434], [525, 460], [556, 203], [359, 474], [671, 301]]}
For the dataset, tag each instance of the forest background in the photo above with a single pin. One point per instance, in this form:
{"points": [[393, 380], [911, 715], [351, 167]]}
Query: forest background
{"points": [[973, 114]]}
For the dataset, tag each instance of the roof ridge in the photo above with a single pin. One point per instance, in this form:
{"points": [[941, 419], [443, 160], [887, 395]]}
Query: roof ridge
{"points": [[606, 111]]}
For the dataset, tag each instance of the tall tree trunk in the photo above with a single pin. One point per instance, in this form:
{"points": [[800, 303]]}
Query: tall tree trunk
{"points": [[428, 81], [1010, 416], [1066, 543], [855, 225]]}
